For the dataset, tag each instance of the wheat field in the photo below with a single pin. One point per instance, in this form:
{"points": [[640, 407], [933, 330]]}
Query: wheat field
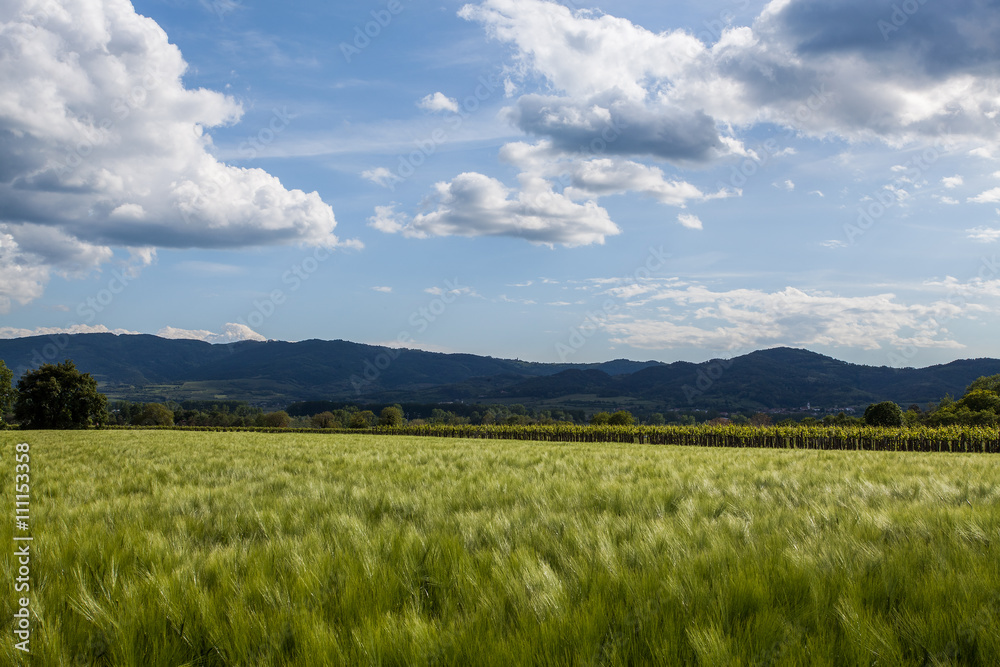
{"points": [[188, 548]]}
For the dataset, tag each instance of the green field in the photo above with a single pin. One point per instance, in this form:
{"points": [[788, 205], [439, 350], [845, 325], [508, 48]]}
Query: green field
{"points": [[187, 548]]}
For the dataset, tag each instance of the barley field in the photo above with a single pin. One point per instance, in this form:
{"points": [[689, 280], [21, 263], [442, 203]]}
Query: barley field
{"points": [[192, 548]]}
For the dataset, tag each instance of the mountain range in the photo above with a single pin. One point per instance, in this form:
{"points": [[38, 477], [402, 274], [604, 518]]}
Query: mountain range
{"points": [[275, 373]]}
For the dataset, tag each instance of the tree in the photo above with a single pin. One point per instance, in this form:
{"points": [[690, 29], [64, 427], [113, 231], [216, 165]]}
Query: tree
{"points": [[363, 419], [123, 413], [886, 413], [600, 419], [980, 406], [7, 392], [325, 420], [154, 414], [279, 419], [761, 419], [621, 418], [59, 396], [391, 416], [980, 400], [985, 383]]}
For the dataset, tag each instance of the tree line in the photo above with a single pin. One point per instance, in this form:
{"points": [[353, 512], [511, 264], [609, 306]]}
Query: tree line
{"points": [[59, 396]]}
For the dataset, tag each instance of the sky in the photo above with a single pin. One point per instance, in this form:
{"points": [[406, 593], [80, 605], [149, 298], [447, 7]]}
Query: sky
{"points": [[550, 181]]}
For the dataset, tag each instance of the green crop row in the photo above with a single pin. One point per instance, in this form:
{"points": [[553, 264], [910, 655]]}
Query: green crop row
{"points": [[971, 439], [915, 439]]}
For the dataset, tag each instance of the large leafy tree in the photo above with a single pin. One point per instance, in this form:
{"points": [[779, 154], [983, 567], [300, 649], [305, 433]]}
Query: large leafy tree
{"points": [[154, 414], [391, 416], [886, 413], [58, 396], [621, 418], [7, 392], [279, 419]]}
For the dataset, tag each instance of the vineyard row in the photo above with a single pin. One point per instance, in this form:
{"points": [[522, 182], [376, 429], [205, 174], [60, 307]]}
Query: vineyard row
{"points": [[863, 438]]}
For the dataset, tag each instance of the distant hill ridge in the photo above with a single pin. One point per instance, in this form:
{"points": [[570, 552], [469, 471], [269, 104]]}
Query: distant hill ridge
{"points": [[144, 367]]}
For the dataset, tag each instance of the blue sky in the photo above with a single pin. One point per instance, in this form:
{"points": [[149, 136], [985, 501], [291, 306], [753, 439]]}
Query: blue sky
{"points": [[516, 178]]}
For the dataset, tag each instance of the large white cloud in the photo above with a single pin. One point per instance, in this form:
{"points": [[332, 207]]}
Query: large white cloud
{"points": [[104, 147], [473, 204], [693, 315], [821, 69]]}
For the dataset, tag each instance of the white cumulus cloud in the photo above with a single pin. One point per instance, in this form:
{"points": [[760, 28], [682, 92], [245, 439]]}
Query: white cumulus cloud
{"points": [[104, 147], [819, 69], [231, 333], [473, 204], [988, 197], [689, 221], [438, 102]]}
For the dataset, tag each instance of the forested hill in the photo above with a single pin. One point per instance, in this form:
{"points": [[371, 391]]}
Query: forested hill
{"points": [[768, 379], [146, 367], [149, 368]]}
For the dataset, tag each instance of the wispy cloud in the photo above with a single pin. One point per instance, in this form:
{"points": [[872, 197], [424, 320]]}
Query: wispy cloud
{"points": [[697, 316], [209, 268], [16, 332], [983, 234]]}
